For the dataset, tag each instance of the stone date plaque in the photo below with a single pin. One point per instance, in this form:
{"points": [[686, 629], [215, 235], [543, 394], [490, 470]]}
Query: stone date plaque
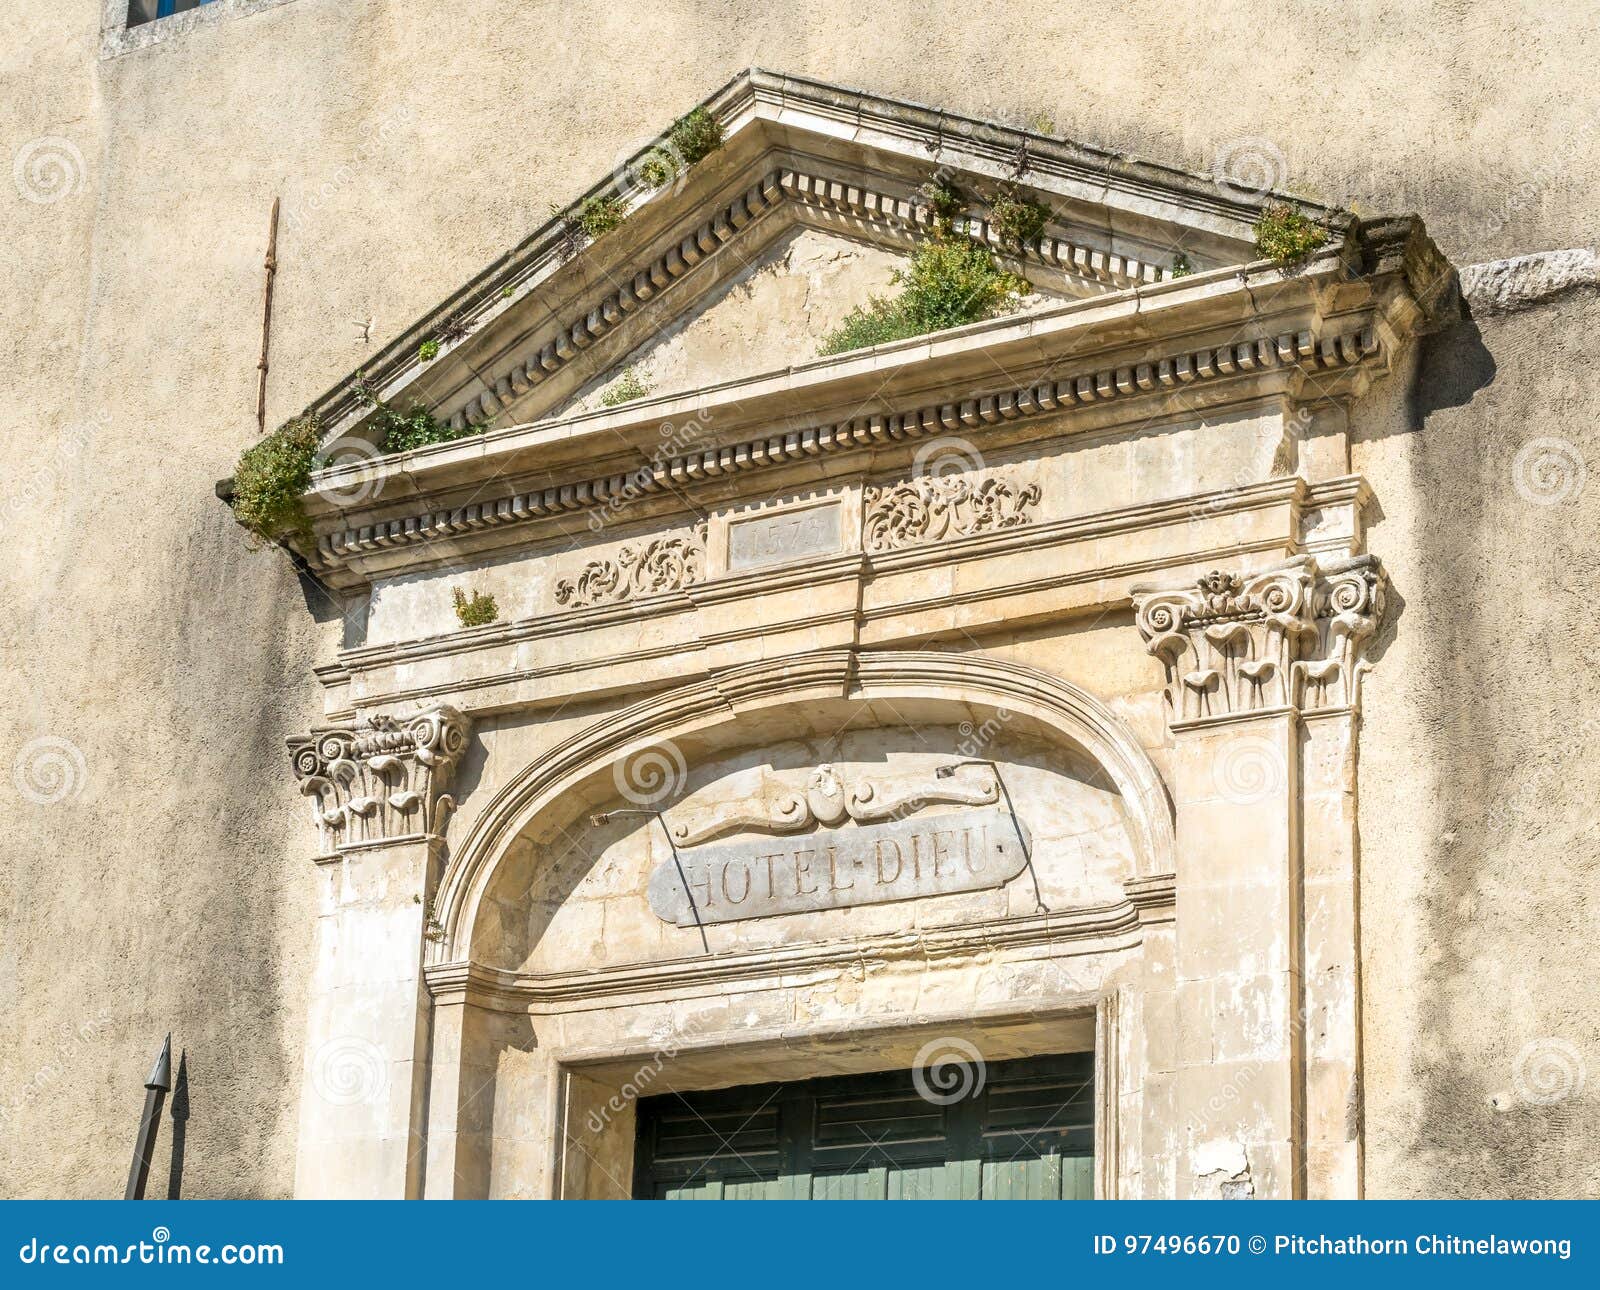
{"points": [[868, 864], [783, 536]]}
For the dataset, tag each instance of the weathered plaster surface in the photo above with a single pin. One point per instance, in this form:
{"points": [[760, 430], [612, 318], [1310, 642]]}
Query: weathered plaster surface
{"points": [[169, 889], [1479, 853]]}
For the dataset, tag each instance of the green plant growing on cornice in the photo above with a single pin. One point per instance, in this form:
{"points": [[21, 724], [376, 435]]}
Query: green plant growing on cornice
{"points": [[428, 350], [1019, 220], [272, 477], [593, 219], [950, 281], [599, 215], [478, 610], [1286, 236], [1181, 268], [692, 138], [696, 135], [397, 431], [945, 201], [625, 389]]}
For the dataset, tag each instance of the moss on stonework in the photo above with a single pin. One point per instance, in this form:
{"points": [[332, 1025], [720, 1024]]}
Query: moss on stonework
{"points": [[1287, 236], [951, 281]]}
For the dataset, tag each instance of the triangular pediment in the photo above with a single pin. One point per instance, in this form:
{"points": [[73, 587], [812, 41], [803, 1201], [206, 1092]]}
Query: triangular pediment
{"points": [[742, 262]]}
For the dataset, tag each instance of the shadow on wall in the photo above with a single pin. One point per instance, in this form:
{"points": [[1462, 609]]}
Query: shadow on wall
{"points": [[1492, 844], [1452, 366], [180, 1128]]}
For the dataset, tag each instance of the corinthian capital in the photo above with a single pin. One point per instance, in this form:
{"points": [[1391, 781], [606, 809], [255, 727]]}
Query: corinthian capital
{"points": [[381, 778], [1288, 637]]}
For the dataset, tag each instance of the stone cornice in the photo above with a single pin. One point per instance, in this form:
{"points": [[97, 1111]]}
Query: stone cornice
{"points": [[888, 217], [1295, 354], [381, 779], [1289, 638]]}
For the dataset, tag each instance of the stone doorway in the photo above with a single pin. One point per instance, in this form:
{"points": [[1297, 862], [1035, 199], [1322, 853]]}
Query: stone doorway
{"points": [[954, 1129]]}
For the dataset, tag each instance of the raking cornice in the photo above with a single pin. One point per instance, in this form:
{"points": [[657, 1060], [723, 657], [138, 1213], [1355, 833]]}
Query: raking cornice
{"points": [[827, 153]]}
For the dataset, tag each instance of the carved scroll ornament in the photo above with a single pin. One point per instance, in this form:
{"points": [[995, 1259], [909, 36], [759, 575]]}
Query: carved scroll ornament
{"points": [[661, 565], [826, 801], [1288, 637], [382, 778], [932, 507]]}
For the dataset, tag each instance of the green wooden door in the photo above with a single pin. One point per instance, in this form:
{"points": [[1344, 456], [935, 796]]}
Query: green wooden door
{"points": [[1026, 1134]]}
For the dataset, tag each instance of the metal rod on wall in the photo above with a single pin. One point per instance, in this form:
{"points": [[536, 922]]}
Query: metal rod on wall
{"points": [[266, 321], [607, 816], [945, 772]]}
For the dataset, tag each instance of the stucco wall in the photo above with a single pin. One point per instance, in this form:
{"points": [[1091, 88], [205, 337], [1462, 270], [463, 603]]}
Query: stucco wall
{"points": [[169, 888]]}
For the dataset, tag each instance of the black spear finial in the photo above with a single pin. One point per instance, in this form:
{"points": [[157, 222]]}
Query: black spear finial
{"points": [[156, 1089], [161, 1072]]}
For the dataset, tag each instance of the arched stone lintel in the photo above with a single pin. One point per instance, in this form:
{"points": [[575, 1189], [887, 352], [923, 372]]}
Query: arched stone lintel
{"points": [[681, 713]]}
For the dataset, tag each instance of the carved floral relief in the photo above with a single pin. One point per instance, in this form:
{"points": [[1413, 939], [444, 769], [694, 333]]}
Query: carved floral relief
{"points": [[658, 566], [932, 507]]}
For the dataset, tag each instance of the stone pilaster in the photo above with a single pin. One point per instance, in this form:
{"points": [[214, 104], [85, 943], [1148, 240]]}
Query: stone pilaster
{"points": [[378, 789], [1263, 679]]}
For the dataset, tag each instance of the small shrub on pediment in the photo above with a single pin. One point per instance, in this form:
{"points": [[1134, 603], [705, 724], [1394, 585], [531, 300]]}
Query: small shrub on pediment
{"points": [[1018, 219], [1286, 235], [476, 610], [272, 475], [397, 431], [625, 389], [950, 282]]}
